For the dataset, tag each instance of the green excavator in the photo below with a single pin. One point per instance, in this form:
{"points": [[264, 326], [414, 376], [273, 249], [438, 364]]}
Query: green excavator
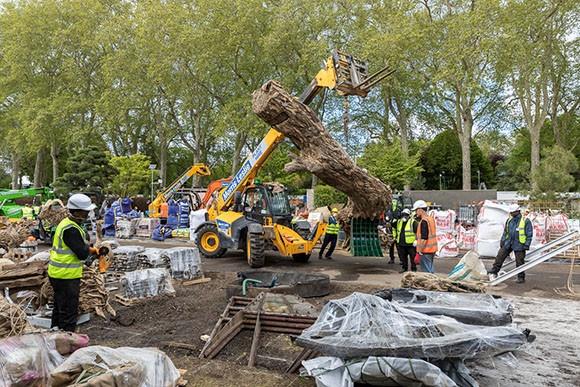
{"points": [[10, 200]]}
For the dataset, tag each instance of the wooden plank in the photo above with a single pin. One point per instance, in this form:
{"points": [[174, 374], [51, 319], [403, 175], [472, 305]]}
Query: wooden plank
{"points": [[225, 335], [256, 338], [22, 270], [202, 280], [217, 326], [175, 344], [22, 282]]}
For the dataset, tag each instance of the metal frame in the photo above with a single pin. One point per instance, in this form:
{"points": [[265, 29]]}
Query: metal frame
{"points": [[536, 261]]}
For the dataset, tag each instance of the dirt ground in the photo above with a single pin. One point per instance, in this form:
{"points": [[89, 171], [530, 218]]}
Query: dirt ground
{"points": [[165, 322], [162, 322]]}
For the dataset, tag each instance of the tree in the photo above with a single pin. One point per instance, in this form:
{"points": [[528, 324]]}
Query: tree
{"points": [[555, 173], [89, 170], [132, 174], [533, 58], [441, 163], [389, 163], [325, 195]]}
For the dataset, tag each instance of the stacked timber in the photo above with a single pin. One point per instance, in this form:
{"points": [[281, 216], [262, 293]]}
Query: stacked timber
{"points": [[22, 275], [13, 234]]}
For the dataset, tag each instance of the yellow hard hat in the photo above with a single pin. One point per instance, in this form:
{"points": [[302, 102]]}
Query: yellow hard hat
{"points": [[335, 210]]}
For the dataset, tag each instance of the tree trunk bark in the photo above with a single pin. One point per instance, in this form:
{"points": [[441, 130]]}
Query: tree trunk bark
{"points": [[466, 162], [535, 150], [54, 157], [39, 168], [239, 145], [319, 153], [163, 162], [15, 171]]}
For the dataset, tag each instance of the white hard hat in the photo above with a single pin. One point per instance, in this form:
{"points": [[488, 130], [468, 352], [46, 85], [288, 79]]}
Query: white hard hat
{"points": [[419, 204], [80, 202], [513, 208], [406, 211]]}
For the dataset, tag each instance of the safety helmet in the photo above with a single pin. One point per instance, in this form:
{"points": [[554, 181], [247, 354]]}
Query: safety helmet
{"points": [[419, 204], [513, 208], [406, 211], [335, 210], [80, 202]]}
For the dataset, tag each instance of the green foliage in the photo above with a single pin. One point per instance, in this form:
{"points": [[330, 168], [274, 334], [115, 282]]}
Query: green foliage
{"points": [[273, 170], [555, 173], [443, 156], [325, 195], [89, 170], [389, 164], [132, 174]]}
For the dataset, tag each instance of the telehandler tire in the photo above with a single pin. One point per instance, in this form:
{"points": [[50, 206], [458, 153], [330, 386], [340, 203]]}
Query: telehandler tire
{"points": [[255, 247], [208, 242]]}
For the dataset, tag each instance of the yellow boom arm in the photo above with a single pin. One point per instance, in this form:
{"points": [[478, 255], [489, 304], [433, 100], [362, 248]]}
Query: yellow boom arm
{"points": [[162, 197]]}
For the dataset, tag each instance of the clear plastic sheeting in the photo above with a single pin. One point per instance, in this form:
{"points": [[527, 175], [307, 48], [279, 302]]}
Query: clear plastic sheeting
{"points": [[375, 371], [152, 258], [102, 366], [27, 360], [125, 258], [185, 262], [362, 325], [147, 283], [468, 308]]}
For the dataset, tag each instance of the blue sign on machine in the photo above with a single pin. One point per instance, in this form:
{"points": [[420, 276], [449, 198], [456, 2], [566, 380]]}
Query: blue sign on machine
{"points": [[244, 171]]}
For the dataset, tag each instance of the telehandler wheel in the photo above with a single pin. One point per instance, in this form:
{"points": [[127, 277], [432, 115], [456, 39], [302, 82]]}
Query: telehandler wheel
{"points": [[301, 258], [255, 247], [208, 242]]}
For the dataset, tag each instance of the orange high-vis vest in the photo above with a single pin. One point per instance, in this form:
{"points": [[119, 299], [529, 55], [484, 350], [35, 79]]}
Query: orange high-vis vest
{"points": [[429, 245], [164, 210]]}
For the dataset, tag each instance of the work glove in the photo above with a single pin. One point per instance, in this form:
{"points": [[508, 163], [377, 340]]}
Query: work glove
{"points": [[415, 243], [93, 251], [90, 259], [417, 259]]}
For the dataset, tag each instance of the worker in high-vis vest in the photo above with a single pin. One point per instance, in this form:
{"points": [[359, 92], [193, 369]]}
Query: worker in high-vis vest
{"points": [[405, 237], [27, 212], [426, 235], [331, 235], [70, 250], [517, 237]]}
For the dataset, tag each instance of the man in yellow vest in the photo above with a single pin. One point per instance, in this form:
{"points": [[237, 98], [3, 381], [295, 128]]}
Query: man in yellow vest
{"points": [[331, 235], [405, 237], [426, 242], [517, 237], [70, 249]]}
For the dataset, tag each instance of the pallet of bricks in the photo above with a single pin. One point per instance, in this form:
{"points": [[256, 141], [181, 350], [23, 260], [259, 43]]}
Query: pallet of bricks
{"points": [[558, 226]]}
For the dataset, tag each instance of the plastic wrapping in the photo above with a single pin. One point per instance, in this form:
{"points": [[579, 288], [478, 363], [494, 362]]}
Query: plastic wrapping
{"points": [[125, 228], [196, 219], [144, 226], [362, 325], [185, 262], [147, 283], [375, 371], [447, 245], [28, 360], [468, 308], [125, 258], [125, 366], [152, 258], [469, 268]]}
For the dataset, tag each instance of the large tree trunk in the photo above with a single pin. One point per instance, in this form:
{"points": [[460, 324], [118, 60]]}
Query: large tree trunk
{"points": [[466, 161], [15, 171], [319, 153], [535, 151], [39, 168], [54, 156], [239, 146]]}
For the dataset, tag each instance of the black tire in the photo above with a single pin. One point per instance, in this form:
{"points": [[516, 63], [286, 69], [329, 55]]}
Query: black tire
{"points": [[207, 236], [301, 258], [255, 247]]}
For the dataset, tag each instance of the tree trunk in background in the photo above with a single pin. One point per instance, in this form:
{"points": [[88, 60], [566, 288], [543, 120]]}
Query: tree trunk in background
{"points": [[466, 161], [319, 153], [15, 171], [239, 145], [54, 157], [402, 120], [535, 151], [39, 168], [163, 162]]}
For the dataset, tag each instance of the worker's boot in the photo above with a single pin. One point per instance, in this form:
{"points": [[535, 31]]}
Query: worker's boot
{"points": [[521, 280]]}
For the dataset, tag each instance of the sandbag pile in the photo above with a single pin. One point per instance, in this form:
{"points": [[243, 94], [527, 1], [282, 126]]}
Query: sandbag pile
{"points": [[99, 366], [13, 234], [28, 360]]}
